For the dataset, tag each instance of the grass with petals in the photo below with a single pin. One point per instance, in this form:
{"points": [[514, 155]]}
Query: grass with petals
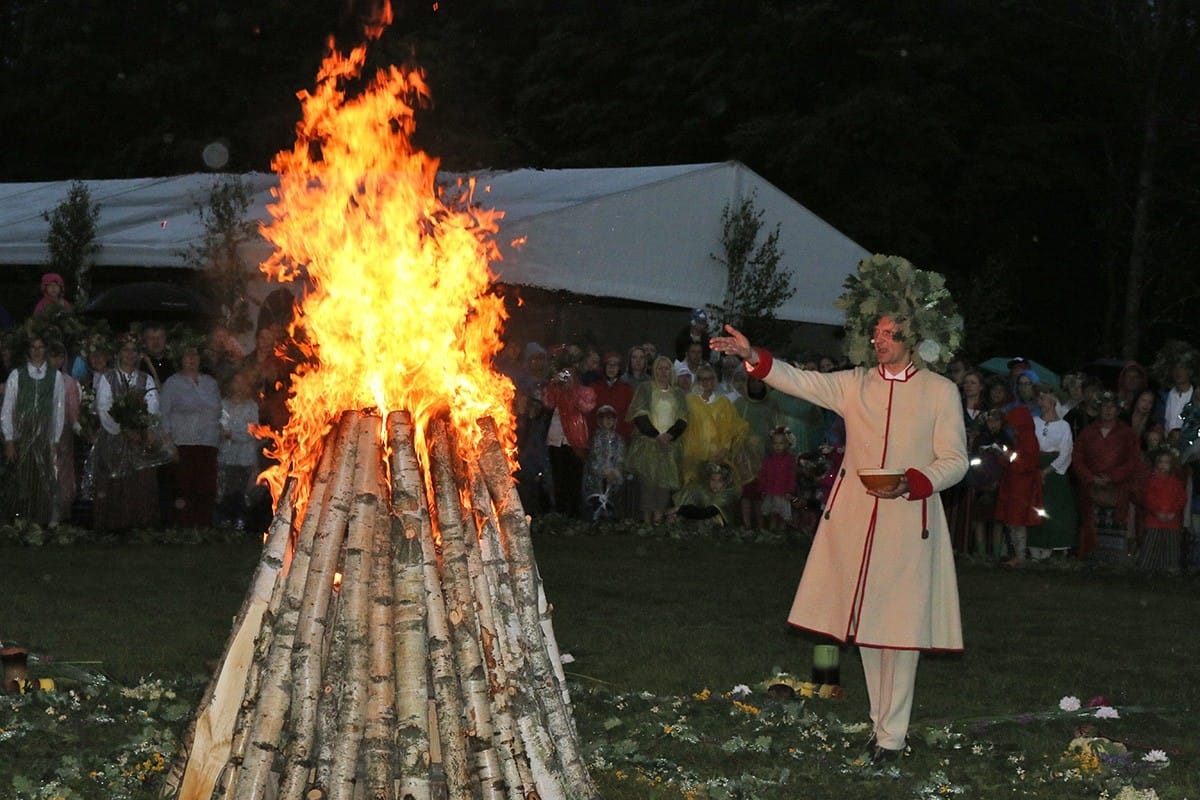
{"points": [[661, 625]]}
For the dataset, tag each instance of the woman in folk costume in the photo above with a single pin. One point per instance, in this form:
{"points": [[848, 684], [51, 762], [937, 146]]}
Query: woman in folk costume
{"points": [[126, 486], [32, 419], [881, 569]]}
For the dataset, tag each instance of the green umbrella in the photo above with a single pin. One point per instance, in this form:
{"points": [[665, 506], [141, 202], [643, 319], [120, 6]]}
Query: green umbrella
{"points": [[999, 366]]}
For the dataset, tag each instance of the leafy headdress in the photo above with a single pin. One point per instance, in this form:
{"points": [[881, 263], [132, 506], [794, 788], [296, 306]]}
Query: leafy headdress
{"points": [[916, 299]]}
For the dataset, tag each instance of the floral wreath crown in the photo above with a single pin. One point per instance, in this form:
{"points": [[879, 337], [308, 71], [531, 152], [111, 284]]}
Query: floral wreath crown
{"points": [[917, 299]]}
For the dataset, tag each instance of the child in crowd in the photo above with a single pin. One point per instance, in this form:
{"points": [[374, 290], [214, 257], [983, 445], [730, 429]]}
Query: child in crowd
{"points": [[237, 452], [777, 480], [604, 476], [710, 503], [54, 295], [1163, 500]]}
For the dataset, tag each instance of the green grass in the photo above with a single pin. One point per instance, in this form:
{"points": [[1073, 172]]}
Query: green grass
{"points": [[138, 610], [651, 622]]}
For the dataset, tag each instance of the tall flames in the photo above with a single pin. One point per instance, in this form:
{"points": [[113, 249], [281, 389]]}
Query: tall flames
{"points": [[395, 641], [399, 314]]}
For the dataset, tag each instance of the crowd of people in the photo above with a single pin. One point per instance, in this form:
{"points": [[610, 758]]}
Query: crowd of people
{"points": [[162, 427], [1056, 464], [156, 426], [1054, 467]]}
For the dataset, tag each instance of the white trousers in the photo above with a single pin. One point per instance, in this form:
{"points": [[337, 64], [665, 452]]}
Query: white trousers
{"points": [[891, 677]]}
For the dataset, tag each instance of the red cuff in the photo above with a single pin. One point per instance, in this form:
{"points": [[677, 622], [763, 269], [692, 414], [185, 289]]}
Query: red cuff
{"points": [[919, 487], [760, 370]]}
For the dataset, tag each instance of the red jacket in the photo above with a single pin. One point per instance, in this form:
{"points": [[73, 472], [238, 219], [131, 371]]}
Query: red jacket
{"points": [[574, 403], [618, 395]]}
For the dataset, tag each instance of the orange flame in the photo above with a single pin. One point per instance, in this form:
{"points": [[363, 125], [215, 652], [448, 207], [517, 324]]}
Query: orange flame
{"points": [[399, 313]]}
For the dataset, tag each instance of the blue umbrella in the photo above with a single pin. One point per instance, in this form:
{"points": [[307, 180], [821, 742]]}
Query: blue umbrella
{"points": [[999, 366]]}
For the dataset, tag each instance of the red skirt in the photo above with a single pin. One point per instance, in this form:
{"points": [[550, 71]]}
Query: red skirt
{"points": [[1019, 498]]}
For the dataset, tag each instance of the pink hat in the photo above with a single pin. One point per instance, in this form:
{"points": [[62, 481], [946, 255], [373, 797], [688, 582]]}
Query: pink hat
{"points": [[52, 277]]}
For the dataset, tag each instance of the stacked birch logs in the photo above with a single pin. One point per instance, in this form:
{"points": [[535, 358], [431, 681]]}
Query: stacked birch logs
{"points": [[431, 670]]}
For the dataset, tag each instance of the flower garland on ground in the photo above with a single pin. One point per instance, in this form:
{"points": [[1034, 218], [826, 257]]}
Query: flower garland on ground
{"points": [[777, 748], [91, 738]]}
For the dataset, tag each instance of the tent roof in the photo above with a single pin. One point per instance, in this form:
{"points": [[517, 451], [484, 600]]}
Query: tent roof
{"points": [[640, 233]]}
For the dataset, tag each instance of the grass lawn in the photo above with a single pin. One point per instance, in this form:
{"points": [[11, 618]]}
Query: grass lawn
{"points": [[661, 629]]}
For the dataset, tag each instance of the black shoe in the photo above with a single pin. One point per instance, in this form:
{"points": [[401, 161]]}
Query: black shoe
{"points": [[880, 755]]}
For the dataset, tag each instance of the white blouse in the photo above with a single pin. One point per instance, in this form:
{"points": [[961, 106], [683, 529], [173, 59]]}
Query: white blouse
{"points": [[1055, 437]]}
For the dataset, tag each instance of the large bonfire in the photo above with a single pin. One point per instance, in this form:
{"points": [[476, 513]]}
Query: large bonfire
{"points": [[395, 641]]}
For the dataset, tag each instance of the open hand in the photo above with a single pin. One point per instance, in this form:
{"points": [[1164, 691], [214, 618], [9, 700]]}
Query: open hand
{"points": [[735, 343]]}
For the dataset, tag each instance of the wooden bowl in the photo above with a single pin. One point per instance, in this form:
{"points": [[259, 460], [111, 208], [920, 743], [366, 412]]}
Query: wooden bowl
{"points": [[880, 480]]}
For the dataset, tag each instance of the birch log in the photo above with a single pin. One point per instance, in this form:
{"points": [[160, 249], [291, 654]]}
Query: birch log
{"points": [[206, 746], [365, 523], [379, 745], [266, 636], [414, 512], [411, 664], [331, 694], [546, 673], [272, 704], [537, 756], [313, 618], [461, 613], [499, 650]]}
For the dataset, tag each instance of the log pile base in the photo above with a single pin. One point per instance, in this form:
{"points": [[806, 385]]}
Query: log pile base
{"points": [[395, 642]]}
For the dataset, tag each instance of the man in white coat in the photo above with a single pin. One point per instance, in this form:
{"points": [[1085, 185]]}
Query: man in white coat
{"points": [[881, 569]]}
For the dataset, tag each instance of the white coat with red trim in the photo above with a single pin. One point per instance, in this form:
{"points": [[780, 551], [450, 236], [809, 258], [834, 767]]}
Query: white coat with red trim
{"points": [[892, 560]]}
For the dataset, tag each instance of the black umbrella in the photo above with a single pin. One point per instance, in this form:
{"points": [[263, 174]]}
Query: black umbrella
{"points": [[151, 300]]}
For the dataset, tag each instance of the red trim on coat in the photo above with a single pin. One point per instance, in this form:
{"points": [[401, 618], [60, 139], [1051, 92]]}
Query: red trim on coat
{"points": [[864, 567], [919, 486], [765, 360]]}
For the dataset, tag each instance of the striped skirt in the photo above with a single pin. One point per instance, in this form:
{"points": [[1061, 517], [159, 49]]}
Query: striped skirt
{"points": [[1160, 550]]}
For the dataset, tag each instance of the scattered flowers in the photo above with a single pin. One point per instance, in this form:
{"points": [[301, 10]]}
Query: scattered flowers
{"points": [[785, 743], [1130, 793], [127, 761], [745, 707], [1156, 757], [683, 746]]}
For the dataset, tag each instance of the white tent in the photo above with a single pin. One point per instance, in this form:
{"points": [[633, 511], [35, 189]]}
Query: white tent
{"points": [[639, 233]]}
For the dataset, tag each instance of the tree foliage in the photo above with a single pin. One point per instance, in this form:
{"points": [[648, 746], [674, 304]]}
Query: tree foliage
{"points": [[959, 132], [757, 284], [72, 238], [218, 256]]}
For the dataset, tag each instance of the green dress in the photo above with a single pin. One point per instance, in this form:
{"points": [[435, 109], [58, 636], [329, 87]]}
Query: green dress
{"points": [[1060, 528], [29, 483]]}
